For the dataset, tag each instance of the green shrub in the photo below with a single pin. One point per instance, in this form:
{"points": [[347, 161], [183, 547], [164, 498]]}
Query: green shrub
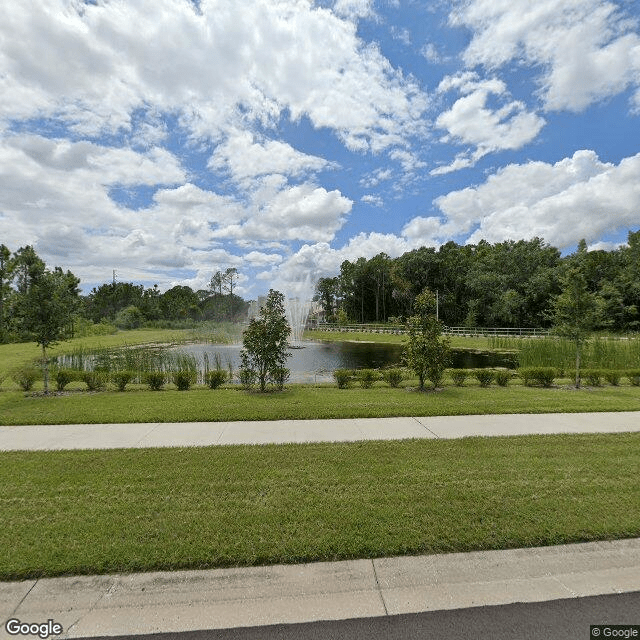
{"points": [[247, 378], [459, 376], [129, 318], [484, 376], [544, 376], [183, 379], [502, 377], [155, 380], [280, 376], [343, 378], [122, 378], [393, 377], [367, 377], [215, 378], [612, 376], [634, 377], [63, 377], [26, 377], [593, 376], [95, 380]]}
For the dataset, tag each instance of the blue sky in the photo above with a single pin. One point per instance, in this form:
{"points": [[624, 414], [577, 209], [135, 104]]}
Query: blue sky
{"points": [[169, 139]]}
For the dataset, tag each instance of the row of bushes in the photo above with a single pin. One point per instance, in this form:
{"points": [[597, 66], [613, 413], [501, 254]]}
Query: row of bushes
{"points": [[345, 378], [530, 376], [97, 380], [546, 376]]}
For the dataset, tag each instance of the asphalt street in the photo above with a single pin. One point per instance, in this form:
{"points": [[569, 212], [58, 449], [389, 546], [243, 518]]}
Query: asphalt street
{"points": [[567, 619]]}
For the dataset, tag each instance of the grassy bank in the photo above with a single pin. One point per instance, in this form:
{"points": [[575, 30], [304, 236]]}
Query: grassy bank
{"points": [[20, 354], [457, 342], [85, 512], [305, 402]]}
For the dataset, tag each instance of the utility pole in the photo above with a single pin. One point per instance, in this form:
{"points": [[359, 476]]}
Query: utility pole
{"points": [[437, 305]]}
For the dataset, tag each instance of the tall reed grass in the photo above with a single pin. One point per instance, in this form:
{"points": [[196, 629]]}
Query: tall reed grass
{"points": [[141, 360], [598, 352]]}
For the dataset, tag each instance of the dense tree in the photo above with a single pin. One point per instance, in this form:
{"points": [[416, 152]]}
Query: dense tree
{"points": [[179, 303], [45, 310], [6, 277], [264, 342], [327, 293]]}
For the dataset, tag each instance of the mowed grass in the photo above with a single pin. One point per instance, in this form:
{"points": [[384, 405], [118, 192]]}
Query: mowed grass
{"points": [[457, 342], [305, 402], [86, 512]]}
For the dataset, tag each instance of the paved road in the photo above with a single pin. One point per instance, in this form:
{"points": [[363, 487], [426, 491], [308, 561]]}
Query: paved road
{"points": [[554, 620], [156, 434]]}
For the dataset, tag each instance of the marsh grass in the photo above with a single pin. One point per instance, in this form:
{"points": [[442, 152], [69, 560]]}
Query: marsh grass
{"points": [[96, 512], [599, 352]]}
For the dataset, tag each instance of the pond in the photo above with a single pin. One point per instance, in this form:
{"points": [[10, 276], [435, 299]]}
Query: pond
{"points": [[315, 361]]}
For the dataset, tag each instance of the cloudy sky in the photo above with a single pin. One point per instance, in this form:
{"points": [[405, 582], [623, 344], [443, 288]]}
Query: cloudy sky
{"points": [[169, 139]]}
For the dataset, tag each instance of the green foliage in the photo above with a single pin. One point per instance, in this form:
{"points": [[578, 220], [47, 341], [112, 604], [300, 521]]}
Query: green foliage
{"points": [[459, 376], [183, 379], [264, 342], [576, 311], [155, 380], [612, 376], [343, 378], [129, 318], [544, 376], [280, 376], [247, 378], [393, 377], [367, 377], [503, 376], [634, 377], [593, 377], [25, 377], [426, 352], [95, 380], [484, 376], [122, 378], [215, 378], [63, 377]]}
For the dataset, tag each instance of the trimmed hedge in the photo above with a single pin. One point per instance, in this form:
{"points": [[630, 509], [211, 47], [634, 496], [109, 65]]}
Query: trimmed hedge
{"points": [[544, 376], [367, 378], [393, 377], [484, 376], [215, 378], [343, 378], [155, 380]]}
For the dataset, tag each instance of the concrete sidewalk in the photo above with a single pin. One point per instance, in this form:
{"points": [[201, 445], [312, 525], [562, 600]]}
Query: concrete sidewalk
{"points": [[226, 598], [109, 436]]}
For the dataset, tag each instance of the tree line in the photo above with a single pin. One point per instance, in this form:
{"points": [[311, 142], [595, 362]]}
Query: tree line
{"points": [[507, 284], [37, 303]]}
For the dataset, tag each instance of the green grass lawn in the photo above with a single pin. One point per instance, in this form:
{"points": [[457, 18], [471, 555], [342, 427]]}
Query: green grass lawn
{"points": [[303, 402], [85, 512]]}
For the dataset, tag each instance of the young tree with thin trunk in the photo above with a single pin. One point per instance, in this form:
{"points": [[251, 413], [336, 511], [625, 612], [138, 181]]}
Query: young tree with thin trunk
{"points": [[575, 312], [426, 351], [46, 310]]}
